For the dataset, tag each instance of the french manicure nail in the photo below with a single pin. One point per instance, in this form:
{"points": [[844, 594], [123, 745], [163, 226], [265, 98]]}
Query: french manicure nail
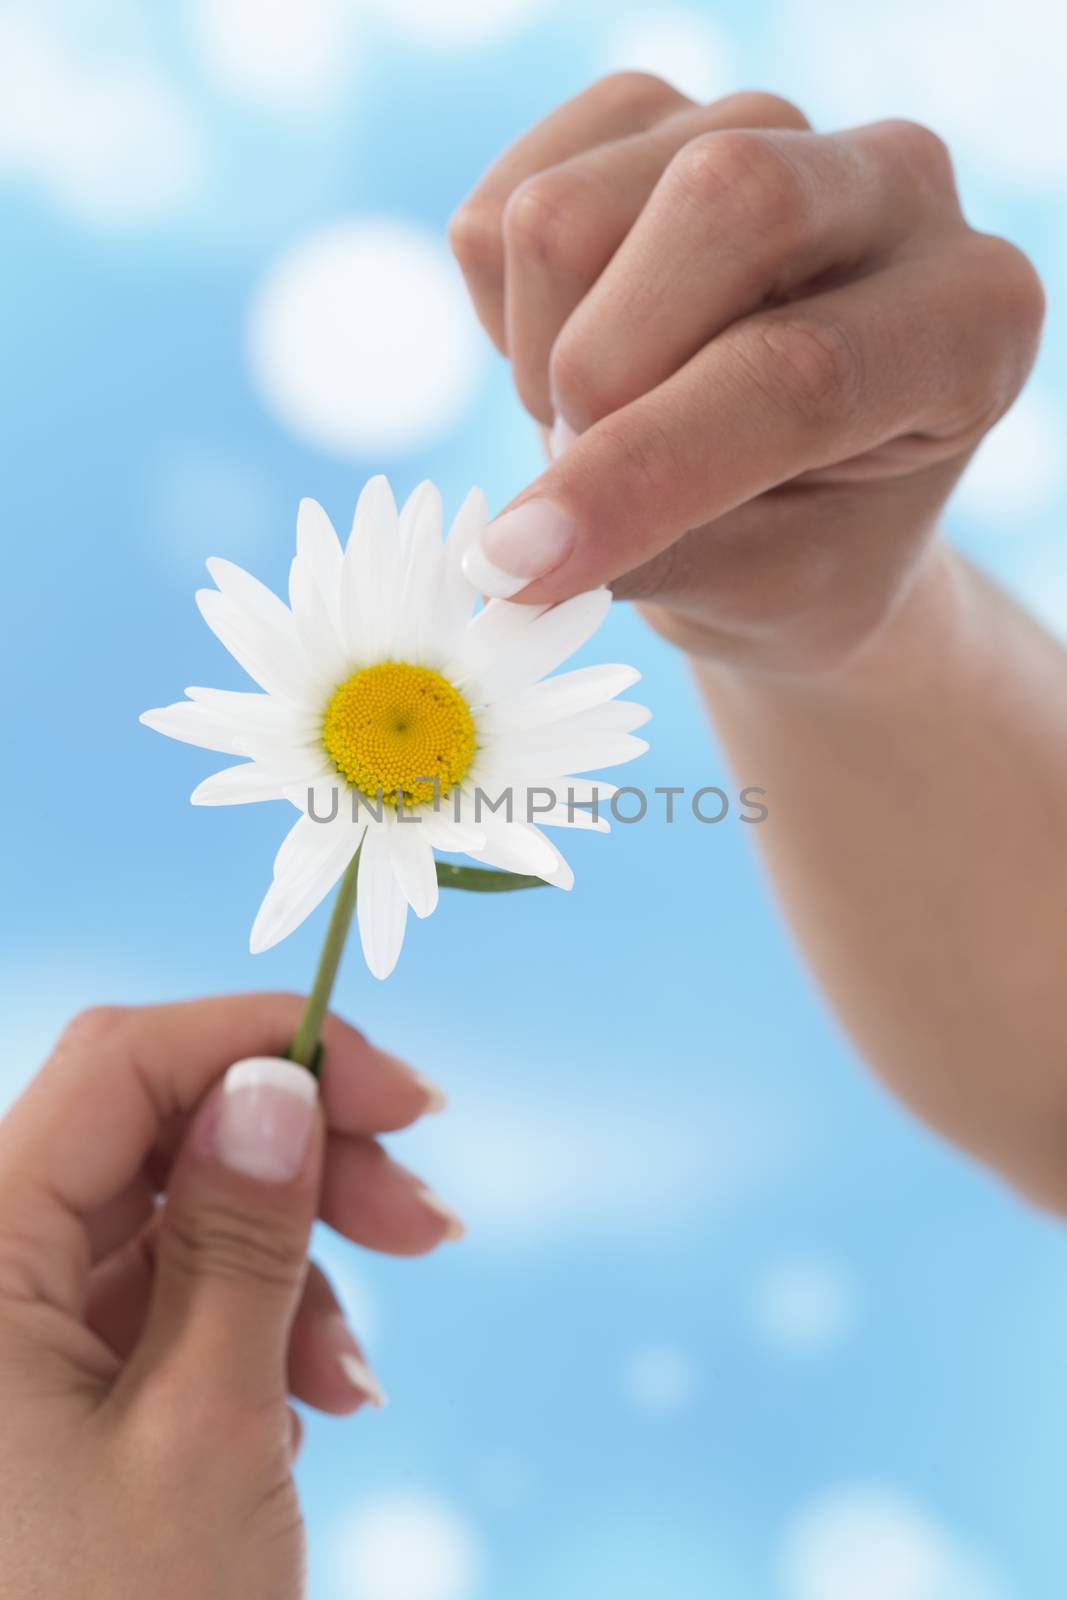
{"points": [[362, 1379], [436, 1099], [265, 1118], [456, 1227], [519, 546], [561, 437]]}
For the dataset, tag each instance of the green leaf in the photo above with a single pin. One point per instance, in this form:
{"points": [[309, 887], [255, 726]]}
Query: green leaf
{"points": [[484, 880]]}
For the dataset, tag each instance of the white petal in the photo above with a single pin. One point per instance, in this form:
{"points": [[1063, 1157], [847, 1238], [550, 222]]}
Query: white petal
{"points": [[380, 907], [328, 796], [294, 896], [413, 864], [310, 839], [370, 574], [458, 594], [522, 758], [420, 582], [319, 548], [261, 714], [238, 786], [199, 725], [614, 716], [515, 846], [529, 803], [272, 657], [555, 698], [444, 832], [249, 595], [315, 624], [570, 792], [539, 649], [562, 875], [495, 627]]}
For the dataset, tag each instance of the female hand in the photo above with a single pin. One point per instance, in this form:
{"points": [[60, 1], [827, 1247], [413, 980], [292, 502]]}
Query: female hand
{"points": [[765, 354], [147, 1350]]}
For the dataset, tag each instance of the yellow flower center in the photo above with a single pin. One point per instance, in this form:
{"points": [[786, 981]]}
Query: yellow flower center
{"points": [[393, 729]]}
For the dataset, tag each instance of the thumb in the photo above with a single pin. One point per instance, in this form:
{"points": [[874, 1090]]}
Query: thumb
{"points": [[231, 1249]]}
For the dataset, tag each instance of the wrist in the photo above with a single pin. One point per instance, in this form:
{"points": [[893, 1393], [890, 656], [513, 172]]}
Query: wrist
{"points": [[923, 632]]}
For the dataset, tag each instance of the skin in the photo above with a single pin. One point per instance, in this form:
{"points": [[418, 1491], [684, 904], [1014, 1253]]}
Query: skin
{"points": [[774, 351], [133, 1338]]}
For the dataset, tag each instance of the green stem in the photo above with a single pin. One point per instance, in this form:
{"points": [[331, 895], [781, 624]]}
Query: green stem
{"points": [[305, 1049]]}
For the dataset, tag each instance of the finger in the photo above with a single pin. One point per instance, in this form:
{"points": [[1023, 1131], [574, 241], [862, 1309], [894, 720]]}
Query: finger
{"points": [[563, 225], [230, 1255], [327, 1367], [366, 1196], [929, 347], [377, 1203], [120, 1083], [120, 1290], [741, 220], [620, 104], [121, 1218]]}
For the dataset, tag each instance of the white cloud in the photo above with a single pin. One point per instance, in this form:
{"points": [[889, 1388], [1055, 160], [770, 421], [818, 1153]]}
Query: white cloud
{"points": [[274, 52], [361, 339], [944, 64], [685, 49], [525, 1168], [658, 1379], [456, 23], [874, 1542], [406, 1547], [1021, 468], [801, 1306], [110, 142]]}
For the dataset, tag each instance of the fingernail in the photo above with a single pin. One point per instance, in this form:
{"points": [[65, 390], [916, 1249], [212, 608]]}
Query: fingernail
{"points": [[456, 1227], [363, 1380], [436, 1099], [519, 546], [561, 437], [356, 1371], [265, 1118]]}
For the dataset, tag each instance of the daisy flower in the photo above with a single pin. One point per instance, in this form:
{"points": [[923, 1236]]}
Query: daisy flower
{"points": [[395, 716]]}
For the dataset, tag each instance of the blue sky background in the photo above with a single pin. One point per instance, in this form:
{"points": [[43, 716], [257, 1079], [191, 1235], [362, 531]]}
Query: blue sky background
{"points": [[727, 1325]]}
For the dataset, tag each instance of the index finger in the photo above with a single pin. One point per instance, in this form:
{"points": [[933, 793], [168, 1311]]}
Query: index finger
{"points": [[623, 103]]}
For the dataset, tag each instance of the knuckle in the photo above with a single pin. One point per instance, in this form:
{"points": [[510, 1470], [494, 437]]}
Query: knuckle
{"points": [[920, 147], [229, 1243], [809, 365], [1002, 304], [574, 380], [647, 457], [474, 236], [635, 92], [1015, 280], [548, 221], [25, 1274], [747, 170], [91, 1027], [761, 109]]}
